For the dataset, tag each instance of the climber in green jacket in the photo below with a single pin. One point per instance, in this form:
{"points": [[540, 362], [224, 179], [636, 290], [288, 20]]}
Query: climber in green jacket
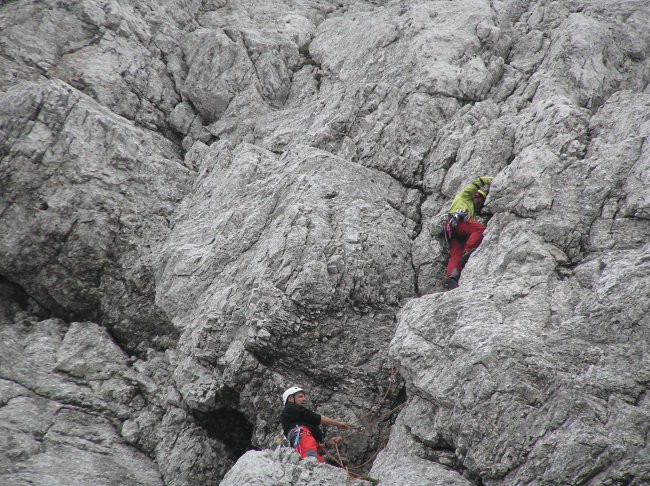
{"points": [[463, 233]]}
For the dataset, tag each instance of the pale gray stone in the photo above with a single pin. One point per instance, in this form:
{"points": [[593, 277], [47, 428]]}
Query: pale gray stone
{"points": [[95, 192], [410, 458], [283, 466], [248, 222], [205, 202], [58, 425]]}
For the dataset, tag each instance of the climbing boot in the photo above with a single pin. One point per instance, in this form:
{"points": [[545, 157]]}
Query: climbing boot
{"points": [[452, 280], [451, 283]]}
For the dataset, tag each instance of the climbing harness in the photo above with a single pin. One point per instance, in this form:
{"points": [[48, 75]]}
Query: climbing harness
{"points": [[303, 442], [294, 436], [449, 222]]}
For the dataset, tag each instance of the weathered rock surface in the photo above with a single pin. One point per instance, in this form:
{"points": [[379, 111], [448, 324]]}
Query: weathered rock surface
{"points": [[85, 197], [63, 391], [284, 466], [202, 203]]}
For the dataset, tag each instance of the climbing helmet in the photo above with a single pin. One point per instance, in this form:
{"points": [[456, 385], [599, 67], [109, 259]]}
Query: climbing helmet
{"points": [[290, 391]]}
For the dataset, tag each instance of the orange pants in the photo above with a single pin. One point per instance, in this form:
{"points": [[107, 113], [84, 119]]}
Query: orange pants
{"points": [[308, 447]]}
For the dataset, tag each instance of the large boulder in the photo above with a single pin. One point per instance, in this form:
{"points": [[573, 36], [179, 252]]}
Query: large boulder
{"points": [[286, 269], [85, 198], [283, 466], [63, 391]]}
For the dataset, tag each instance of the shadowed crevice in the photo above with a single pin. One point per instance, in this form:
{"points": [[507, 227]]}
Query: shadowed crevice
{"points": [[228, 426]]}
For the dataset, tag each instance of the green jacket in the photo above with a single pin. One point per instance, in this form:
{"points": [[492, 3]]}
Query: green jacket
{"points": [[463, 200]]}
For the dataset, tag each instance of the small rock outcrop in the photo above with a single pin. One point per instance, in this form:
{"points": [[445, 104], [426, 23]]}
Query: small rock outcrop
{"points": [[284, 466]]}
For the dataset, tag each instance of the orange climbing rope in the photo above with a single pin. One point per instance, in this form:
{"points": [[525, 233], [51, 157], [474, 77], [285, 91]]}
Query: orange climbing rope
{"points": [[338, 460]]}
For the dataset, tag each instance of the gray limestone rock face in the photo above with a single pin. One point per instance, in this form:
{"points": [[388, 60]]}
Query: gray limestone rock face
{"points": [[125, 55], [411, 457], [63, 392], [283, 466], [85, 198], [75, 409], [281, 253], [205, 202], [533, 361]]}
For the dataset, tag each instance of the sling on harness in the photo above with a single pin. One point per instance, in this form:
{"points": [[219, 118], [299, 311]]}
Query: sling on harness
{"points": [[304, 443], [294, 436], [449, 222]]}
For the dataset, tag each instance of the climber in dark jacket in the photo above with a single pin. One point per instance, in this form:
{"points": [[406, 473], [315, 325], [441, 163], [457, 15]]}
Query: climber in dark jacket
{"points": [[302, 426], [463, 232]]}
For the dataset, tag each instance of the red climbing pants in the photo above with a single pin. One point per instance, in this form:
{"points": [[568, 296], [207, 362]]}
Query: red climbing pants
{"points": [[308, 447], [467, 236]]}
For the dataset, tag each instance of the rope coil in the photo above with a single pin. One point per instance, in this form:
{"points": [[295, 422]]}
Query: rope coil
{"points": [[338, 460]]}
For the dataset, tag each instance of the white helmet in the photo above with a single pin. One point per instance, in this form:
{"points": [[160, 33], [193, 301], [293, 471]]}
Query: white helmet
{"points": [[290, 391]]}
